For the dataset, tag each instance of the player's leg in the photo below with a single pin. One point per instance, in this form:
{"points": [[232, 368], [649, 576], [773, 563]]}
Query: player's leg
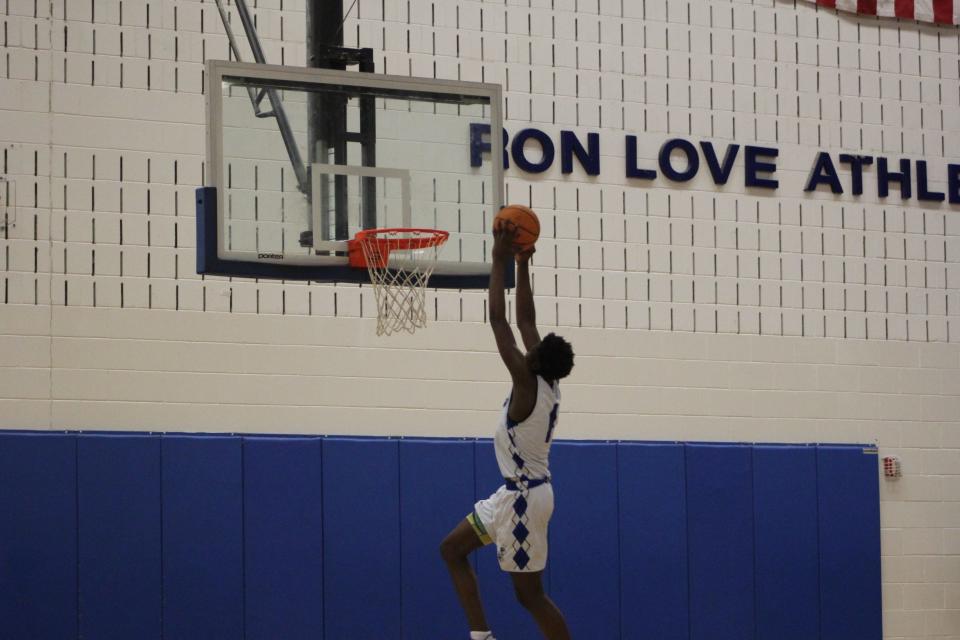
{"points": [[529, 590], [455, 549]]}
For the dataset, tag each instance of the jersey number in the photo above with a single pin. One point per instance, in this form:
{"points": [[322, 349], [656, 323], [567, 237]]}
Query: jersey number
{"points": [[553, 421]]}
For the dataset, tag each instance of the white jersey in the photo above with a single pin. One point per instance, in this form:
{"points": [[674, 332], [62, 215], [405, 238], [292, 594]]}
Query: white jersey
{"points": [[516, 517], [523, 449]]}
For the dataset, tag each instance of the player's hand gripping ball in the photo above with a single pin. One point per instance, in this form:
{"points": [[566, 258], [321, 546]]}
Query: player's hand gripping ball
{"points": [[524, 220]]}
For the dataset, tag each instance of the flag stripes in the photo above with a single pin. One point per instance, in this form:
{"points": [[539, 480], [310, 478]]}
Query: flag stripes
{"points": [[939, 11]]}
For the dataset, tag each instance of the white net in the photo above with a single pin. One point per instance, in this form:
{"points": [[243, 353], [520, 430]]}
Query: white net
{"points": [[400, 262]]}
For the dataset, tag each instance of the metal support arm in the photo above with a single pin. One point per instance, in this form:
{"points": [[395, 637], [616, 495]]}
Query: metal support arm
{"points": [[256, 97]]}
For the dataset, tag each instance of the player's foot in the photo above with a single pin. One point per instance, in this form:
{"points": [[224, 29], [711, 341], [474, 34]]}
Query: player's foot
{"points": [[481, 635]]}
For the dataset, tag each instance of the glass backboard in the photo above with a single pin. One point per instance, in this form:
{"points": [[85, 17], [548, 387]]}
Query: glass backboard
{"points": [[299, 160]]}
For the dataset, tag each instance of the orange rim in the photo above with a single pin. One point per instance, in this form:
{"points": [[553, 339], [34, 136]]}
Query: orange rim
{"points": [[379, 246]]}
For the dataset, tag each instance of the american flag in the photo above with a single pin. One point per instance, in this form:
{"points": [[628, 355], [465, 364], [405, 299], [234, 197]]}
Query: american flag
{"points": [[940, 11]]}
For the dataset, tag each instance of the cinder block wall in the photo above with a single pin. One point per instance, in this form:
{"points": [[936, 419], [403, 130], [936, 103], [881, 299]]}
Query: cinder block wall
{"points": [[698, 312]]}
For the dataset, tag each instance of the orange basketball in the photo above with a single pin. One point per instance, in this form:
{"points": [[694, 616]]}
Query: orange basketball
{"points": [[524, 219]]}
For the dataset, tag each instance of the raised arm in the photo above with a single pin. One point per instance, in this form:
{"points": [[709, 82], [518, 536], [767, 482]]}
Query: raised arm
{"points": [[506, 342], [526, 311]]}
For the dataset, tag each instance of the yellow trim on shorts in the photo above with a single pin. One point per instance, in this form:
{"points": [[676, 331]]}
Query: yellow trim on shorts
{"points": [[479, 529]]}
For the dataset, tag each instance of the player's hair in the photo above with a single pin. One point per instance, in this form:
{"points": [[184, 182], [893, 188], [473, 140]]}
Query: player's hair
{"points": [[555, 356]]}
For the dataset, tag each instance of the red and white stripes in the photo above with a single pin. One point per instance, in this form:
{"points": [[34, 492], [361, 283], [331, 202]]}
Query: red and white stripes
{"points": [[939, 11]]}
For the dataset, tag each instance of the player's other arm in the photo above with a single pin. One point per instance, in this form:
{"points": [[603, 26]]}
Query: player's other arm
{"points": [[497, 304], [526, 311]]}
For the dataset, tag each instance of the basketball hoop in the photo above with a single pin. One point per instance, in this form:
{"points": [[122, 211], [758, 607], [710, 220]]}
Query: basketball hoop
{"points": [[400, 262]]}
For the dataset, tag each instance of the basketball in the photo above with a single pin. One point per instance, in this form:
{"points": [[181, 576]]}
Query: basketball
{"points": [[524, 219]]}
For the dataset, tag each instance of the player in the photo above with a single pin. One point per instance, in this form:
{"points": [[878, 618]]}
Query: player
{"points": [[515, 518]]}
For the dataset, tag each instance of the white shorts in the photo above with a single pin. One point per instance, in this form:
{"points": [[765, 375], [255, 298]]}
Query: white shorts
{"points": [[516, 521]]}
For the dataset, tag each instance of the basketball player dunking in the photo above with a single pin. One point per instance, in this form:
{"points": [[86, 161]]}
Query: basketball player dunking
{"points": [[515, 518]]}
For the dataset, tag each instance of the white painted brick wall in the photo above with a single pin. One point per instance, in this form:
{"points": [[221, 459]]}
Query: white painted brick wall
{"points": [[696, 313]]}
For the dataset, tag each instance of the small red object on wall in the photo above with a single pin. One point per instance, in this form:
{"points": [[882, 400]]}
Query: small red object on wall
{"points": [[891, 467]]}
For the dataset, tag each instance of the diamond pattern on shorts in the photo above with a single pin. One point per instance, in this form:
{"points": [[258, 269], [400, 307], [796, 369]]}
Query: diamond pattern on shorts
{"points": [[520, 547], [520, 532], [521, 559], [520, 505]]}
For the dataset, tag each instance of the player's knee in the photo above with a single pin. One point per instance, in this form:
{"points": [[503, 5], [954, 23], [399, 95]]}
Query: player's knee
{"points": [[449, 550], [529, 597]]}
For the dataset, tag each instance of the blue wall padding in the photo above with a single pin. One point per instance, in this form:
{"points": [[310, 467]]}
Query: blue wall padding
{"points": [[38, 536], [202, 538], [785, 519], [436, 492], [850, 599], [118, 496], [124, 536], [361, 535], [653, 542], [720, 542], [507, 618], [584, 542], [283, 538]]}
